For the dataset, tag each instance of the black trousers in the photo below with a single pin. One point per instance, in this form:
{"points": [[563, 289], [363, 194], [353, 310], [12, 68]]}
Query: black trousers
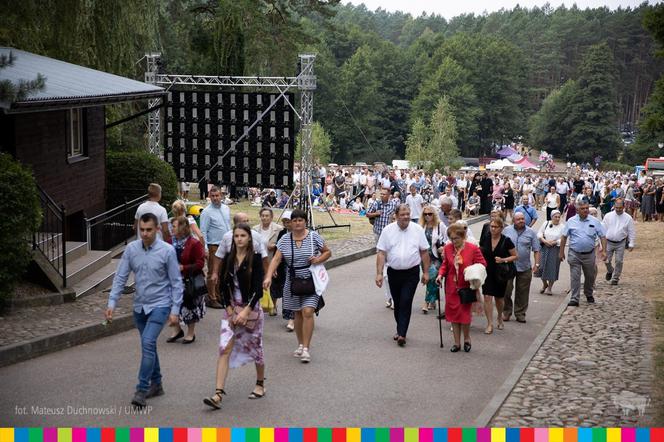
{"points": [[563, 202], [403, 284]]}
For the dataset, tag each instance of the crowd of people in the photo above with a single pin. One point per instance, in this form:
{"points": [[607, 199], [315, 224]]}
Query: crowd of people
{"points": [[422, 237]]}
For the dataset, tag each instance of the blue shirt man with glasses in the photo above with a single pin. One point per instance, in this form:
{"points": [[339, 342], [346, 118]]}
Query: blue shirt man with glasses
{"points": [[582, 232], [158, 298]]}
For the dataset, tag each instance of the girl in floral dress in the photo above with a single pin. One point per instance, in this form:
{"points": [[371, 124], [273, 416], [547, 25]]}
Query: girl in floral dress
{"points": [[241, 335]]}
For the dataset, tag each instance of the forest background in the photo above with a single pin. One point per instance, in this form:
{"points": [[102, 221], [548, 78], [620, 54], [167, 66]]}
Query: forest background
{"points": [[574, 82]]}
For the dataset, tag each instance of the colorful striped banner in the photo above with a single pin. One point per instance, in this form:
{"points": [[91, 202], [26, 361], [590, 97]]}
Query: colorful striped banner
{"points": [[409, 434]]}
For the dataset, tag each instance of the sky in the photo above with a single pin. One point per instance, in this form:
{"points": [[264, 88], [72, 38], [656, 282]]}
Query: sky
{"points": [[452, 8]]}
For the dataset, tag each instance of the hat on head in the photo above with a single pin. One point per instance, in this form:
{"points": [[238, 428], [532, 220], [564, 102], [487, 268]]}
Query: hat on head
{"points": [[286, 214]]}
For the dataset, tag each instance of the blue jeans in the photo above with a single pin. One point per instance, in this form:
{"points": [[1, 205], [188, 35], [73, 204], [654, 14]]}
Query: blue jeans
{"points": [[149, 326]]}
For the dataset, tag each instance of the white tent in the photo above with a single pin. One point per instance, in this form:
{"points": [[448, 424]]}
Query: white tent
{"points": [[500, 164]]}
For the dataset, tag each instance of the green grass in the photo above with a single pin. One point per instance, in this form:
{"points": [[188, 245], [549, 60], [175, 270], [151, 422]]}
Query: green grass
{"points": [[359, 225]]}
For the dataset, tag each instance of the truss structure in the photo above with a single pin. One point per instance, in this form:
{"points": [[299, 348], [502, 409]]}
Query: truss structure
{"points": [[305, 82]]}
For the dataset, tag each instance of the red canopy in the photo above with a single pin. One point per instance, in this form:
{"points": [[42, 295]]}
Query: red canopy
{"points": [[526, 164]]}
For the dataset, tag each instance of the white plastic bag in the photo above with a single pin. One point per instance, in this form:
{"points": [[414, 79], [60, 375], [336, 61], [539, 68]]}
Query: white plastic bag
{"points": [[319, 274]]}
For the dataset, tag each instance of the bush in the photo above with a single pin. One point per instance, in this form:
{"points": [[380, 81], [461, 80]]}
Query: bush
{"points": [[22, 215], [129, 173], [615, 166]]}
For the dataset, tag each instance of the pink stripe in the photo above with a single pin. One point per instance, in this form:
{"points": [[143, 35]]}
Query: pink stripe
{"points": [[484, 435], [78, 435], [396, 434], [426, 434], [50, 435], [626, 435], [541, 435], [194, 435], [281, 435], [136, 435]]}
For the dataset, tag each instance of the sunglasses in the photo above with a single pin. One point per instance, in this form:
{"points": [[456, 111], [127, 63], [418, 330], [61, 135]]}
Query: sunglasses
{"points": [[428, 214]]}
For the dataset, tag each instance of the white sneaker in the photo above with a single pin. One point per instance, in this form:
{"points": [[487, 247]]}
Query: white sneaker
{"points": [[298, 353], [306, 357]]}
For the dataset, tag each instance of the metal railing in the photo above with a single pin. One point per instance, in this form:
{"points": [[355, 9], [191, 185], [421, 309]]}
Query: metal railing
{"points": [[51, 237], [113, 227]]}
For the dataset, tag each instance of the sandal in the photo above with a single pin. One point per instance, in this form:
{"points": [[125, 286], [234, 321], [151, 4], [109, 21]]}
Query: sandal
{"points": [[455, 348], [488, 330], [425, 310], [466, 346], [500, 326], [254, 395], [212, 400]]}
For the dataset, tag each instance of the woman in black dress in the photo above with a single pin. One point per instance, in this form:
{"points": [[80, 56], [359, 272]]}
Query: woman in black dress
{"points": [[497, 249], [485, 194], [508, 194], [659, 200]]}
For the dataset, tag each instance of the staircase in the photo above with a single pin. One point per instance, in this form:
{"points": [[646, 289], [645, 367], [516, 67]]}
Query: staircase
{"points": [[74, 268], [88, 271]]}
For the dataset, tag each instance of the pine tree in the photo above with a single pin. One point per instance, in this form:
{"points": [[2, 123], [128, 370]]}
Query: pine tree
{"points": [[592, 115], [417, 144], [442, 150]]}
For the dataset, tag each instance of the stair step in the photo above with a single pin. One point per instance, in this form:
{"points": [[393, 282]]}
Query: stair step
{"points": [[86, 265], [99, 280], [74, 250]]}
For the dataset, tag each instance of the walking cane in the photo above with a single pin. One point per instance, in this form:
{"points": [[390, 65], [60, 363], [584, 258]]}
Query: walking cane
{"points": [[440, 321]]}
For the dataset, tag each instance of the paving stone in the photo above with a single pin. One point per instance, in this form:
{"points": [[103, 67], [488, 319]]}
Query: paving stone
{"points": [[593, 355]]}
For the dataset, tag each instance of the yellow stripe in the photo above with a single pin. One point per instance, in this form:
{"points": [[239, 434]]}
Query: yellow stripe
{"points": [[353, 435], [556, 435], [498, 435], [613, 435], [64, 434], [208, 435], [266, 434], [151, 434], [6, 435]]}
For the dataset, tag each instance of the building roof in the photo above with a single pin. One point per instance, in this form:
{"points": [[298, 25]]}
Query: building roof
{"points": [[69, 85]]}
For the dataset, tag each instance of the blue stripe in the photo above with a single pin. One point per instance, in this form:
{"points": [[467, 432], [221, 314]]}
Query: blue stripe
{"points": [[93, 435], [295, 435], [165, 435], [585, 435], [237, 435], [512, 434], [21, 435], [440, 435]]}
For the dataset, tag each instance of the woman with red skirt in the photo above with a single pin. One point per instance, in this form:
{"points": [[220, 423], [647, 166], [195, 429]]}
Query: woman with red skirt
{"points": [[457, 255]]}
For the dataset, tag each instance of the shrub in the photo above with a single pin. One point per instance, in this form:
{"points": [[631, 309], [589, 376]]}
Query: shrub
{"points": [[22, 215], [129, 173], [620, 167]]}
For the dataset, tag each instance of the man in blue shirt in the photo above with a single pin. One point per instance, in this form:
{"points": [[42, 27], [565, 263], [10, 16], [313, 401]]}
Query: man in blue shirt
{"points": [[525, 240], [582, 232], [215, 222], [528, 211], [158, 298]]}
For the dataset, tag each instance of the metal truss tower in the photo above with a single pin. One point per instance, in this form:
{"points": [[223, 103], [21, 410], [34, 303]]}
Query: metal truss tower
{"points": [[154, 117]]}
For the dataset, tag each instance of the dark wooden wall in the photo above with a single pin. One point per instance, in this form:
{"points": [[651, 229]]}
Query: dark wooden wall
{"points": [[40, 141]]}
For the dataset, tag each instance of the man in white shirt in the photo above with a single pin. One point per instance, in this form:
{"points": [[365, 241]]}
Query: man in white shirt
{"points": [[227, 241], [620, 234], [462, 192], [404, 247], [415, 203], [152, 206]]}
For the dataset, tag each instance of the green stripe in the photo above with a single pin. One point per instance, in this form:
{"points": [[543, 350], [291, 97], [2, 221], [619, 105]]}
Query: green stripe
{"points": [[252, 435], [35, 435], [411, 435], [325, 435], [64, 434], [382, 435], [469, 435], [122, 435], [599, 434]]}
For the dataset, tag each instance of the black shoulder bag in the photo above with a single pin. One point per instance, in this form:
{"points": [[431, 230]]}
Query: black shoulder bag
{"points": [[194, 286], [300, 286], [504, 270]]}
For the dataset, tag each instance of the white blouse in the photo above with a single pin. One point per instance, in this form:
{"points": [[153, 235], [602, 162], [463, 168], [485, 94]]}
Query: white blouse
{"points": [[551, 232]]}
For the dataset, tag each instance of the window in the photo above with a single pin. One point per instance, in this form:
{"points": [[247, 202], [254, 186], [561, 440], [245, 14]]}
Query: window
{"points": [[76, 139]]}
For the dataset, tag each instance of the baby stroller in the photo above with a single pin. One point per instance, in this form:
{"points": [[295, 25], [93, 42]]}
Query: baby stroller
{"points": [[498, 203]]}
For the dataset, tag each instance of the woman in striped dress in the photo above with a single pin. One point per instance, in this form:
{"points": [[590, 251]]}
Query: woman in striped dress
{"points": [[549, 236], [300, 248]]}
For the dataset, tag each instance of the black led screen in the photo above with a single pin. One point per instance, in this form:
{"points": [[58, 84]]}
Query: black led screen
{"points": [[202, 126]]}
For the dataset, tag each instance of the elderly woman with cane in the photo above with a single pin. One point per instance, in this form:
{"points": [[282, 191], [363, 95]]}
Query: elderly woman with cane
{"points": [[459, 297]]}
